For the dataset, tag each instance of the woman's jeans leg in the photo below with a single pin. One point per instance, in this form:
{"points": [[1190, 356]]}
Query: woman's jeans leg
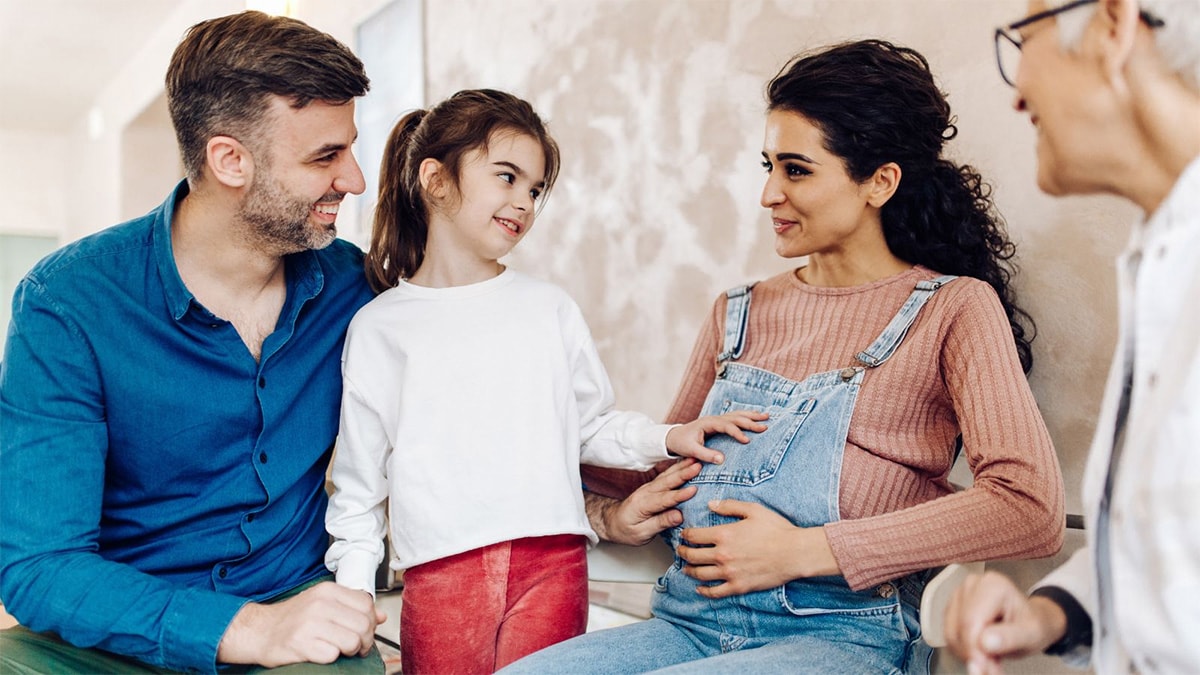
{"points": [[636, 648]]}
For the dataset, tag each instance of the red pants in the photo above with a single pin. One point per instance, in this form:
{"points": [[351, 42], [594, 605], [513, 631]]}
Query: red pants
{"points": [[479, 611]]}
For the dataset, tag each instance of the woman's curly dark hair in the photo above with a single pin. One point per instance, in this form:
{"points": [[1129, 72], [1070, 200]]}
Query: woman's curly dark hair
{"points": [[875, 103]]}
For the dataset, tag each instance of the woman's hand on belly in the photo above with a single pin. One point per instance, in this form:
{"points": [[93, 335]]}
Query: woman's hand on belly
{"points": [[761, 550]]}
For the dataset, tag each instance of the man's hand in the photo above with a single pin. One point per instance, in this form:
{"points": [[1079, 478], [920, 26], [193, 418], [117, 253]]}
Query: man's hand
{"points": [[648, 511], [316, 626], [687, 440], [988, 619], [761, 550]]}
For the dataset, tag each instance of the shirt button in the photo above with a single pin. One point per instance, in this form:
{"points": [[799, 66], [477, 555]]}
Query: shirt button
{"points": [[223, 572], [262, 383], [262, 457]]}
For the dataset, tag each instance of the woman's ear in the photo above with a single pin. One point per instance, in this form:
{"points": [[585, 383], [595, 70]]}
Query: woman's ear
{"points": [[432, 178], [883, 184], [229, 161]]}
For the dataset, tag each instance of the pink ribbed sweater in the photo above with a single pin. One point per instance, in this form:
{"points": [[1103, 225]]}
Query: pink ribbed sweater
{"points": [[956, 371]]}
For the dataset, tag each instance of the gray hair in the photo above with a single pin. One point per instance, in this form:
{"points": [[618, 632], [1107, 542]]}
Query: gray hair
{"points": [[1178, 39]]}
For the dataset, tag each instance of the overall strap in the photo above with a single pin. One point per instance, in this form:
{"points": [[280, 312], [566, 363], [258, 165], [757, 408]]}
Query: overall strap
{"points": [[885, 345], [737, 309]]}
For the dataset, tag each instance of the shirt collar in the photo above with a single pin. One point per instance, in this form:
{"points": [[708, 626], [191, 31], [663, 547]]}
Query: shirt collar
{"points": [[1178, 209], [1181, 204], [177, 295], [304, 276]]}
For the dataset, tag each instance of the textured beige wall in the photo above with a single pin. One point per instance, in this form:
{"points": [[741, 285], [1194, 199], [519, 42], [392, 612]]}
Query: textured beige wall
{"points": [[658, 107]]}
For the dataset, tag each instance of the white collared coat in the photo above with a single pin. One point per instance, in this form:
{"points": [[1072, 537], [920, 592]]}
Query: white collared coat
{"points": [[1153, 622]]}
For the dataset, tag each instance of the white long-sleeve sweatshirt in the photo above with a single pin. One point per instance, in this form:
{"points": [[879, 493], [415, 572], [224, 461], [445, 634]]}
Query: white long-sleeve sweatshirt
{"points": [[466, 412]]}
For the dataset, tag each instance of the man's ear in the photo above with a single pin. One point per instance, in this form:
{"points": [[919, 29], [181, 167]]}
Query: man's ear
{"points": [[432, 178], [230, 162], [1118, 22], [883, 184]]}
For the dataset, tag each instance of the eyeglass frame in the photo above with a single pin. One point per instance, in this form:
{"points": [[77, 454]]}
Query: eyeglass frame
{"points": [[1003, 31]]}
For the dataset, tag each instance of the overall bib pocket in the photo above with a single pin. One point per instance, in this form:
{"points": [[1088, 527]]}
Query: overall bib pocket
{"points": [[749, 465]]}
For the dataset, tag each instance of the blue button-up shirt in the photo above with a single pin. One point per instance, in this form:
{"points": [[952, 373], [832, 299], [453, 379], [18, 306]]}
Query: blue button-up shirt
{"points": [[153, 476]]}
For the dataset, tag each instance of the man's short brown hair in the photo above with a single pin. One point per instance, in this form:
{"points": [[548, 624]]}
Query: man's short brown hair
{"points": [[224, 70]]}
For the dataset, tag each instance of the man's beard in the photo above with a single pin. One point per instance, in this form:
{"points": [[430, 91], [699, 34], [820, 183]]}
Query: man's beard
{"points": [[279, 221]]}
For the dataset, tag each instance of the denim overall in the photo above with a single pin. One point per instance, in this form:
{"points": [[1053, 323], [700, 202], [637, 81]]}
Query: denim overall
{"points": [[794, 468]]}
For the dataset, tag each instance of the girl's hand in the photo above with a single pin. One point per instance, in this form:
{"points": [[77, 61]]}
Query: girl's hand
{"points": [[762, 550], [687, 440]]}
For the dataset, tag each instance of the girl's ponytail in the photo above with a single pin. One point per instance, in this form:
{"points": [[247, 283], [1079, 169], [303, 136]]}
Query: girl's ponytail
{"points": [[401, 225]]}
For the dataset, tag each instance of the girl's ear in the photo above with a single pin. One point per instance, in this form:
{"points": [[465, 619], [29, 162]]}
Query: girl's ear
{"points": [[229, 161], [431, 174], [882, 185]]}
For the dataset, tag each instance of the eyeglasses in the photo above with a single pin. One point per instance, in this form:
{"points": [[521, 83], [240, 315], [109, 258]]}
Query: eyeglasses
{"points": [[1009, 40]]}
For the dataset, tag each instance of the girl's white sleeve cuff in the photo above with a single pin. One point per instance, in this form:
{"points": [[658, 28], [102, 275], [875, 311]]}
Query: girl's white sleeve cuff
{"points": [[357, 570]]}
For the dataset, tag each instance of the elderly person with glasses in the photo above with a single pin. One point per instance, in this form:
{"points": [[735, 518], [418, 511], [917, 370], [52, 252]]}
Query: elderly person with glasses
{"points": [[1113, 88]]}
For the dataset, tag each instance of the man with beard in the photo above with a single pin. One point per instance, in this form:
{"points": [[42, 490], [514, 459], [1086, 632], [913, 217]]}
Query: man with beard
{"points": [[169, 392]]}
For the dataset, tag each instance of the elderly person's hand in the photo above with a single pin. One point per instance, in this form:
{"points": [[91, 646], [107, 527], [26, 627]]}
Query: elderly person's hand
{"points": [[988, 619]]}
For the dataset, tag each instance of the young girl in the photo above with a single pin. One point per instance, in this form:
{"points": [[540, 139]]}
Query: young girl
{"points": [[471, 395]]}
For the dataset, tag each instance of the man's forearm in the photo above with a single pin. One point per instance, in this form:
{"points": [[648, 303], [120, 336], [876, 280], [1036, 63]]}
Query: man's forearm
{"points": [[599, 509], [649, 510]]}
